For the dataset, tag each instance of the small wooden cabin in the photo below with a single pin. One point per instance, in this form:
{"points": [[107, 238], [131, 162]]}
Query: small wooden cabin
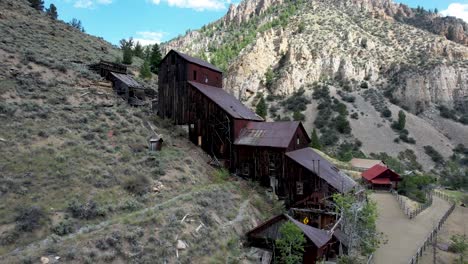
{"points": [[105, 68], [175, 71], [320, 244], [261, 148], [381, 178], [216, 119], [128, 88]]}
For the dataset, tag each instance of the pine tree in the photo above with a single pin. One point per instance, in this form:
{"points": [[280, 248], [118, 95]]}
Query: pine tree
{"points": [[155, 58], [52, 11], [315, 142], [138, 50], [261, 108], [436, 11], [145, 70], [37, 4], [147, 52], [127, 48], [401, 120], [76, 24]]}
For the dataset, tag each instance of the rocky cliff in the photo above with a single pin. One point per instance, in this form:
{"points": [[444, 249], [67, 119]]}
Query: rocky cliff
{"points": [[416, 58]]}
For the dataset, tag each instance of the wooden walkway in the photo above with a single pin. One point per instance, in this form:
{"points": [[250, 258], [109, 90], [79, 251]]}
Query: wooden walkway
{"points": [[403, 236]]}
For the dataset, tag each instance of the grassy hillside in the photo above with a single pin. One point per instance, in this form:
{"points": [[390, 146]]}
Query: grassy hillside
{"points": [[76, 179]]}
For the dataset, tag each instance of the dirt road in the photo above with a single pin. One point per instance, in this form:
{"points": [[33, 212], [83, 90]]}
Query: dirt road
{"points": [[404, 236]]}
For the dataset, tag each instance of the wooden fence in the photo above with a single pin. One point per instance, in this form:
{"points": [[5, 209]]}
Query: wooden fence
{"points": [[409, 212], [430, 239]]}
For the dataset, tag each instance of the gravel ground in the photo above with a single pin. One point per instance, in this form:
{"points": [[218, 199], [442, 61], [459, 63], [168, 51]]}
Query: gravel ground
{"points": [[403, 235]]}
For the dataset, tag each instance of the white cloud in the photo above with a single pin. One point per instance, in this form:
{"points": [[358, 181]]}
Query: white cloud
{"points": [[149, 38], [198, 5], [457, 10], [91, 3]]}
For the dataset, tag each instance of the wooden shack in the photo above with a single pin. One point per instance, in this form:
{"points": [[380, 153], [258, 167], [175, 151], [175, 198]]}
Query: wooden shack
{"points": [[320, 244], [310, 182], [175, 71], [105, 68], [216, 119], [125, 86], [381, 178], [261, 148]]}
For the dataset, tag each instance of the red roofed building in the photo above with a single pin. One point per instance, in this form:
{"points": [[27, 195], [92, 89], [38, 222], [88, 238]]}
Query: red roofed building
{"points": [[381, 177]]}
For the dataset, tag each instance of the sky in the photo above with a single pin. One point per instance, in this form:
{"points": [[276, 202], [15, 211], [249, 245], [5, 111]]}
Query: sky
{"points": [[154, 21]]}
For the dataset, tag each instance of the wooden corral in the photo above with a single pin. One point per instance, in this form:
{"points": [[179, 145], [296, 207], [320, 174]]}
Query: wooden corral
{"points": [[320, 244], [125, 86], [261, 148], [175, 71], [215, 120], [105, 68]]}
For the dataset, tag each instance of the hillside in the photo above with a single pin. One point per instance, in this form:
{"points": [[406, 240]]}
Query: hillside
{"points": [[77, 182], [374, 57]]}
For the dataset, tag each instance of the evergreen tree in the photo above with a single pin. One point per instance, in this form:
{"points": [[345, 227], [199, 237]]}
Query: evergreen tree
{"points": [[145, 70], [147, 52], [436, 11], [315, 142], [127, 48], [290, 244], [261, 108], [138, 50], [76, 24], [52, 11], [37, 4], [401, 120], [155, 58]]}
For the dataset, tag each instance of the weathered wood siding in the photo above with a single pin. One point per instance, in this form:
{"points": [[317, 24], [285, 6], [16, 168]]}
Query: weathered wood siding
{"points": [[210, 127], [204, 75], [173, 95], [172, 89]]}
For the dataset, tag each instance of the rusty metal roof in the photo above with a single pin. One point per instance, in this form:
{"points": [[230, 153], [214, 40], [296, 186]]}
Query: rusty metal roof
{"points": [[194, 60], [270, 230], [226, 101], [310, 160], [268, 134], [319, 237], [126, 79]]}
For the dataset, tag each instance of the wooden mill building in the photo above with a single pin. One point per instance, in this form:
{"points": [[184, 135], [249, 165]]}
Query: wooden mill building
{"points": [[175, 72], [125, 86], [261, 147], [105, 68], [216, 119]]}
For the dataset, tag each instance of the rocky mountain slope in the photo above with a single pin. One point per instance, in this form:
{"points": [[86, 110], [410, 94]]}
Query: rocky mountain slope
{"points": [[407, 59], [77, 184]]}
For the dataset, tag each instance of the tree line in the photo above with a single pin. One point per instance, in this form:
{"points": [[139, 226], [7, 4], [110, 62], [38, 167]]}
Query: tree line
{"points": [[53, 13], [151, 55]]}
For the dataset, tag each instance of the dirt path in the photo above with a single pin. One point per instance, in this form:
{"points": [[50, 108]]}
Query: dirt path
{"points": [[404, 236], [456, 225]]}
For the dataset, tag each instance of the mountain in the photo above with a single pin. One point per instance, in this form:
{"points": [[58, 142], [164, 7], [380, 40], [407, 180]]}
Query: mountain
{"points": [[77, 183], [375, 56]]}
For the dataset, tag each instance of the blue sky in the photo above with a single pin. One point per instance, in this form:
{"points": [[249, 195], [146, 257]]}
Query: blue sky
{"points": [[152, 21]]}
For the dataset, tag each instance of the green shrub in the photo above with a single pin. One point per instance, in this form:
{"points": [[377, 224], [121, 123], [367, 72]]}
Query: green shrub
{"points": [[87, 211], [29, 218], [138, 184], [434, 154], [64, 228], [364, 85], [298, 116]]}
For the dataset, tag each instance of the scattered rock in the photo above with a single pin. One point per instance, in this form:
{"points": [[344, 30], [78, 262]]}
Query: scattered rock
{"points": [[44, 260], [181, 245]]}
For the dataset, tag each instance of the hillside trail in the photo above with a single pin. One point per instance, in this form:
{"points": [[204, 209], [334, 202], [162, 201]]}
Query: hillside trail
{"points": [[120, 218], [403, 236]]}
